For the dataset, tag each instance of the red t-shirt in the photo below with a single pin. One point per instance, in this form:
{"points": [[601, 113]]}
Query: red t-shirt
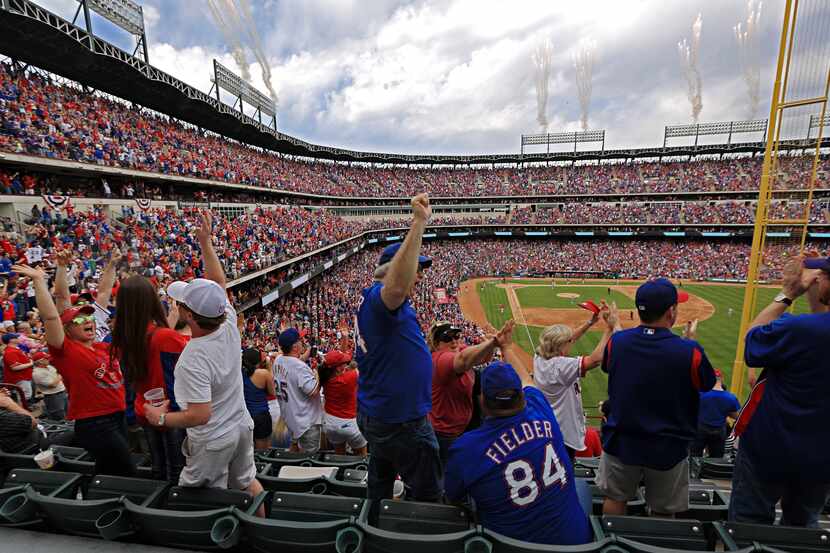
{"points": [[95, 386], [165, 346], [13, 356], [452, 395], [593, 445], [340, 392]]}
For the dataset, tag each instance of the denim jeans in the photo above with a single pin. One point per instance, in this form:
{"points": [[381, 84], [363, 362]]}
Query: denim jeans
{"points": [[165, 452], [409, 449], [754, 501], [55, 406], [105, 437]]}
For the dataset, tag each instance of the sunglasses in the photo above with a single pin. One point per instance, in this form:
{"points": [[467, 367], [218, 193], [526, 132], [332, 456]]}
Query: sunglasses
{"points": [[449, 337], [83, 319]]}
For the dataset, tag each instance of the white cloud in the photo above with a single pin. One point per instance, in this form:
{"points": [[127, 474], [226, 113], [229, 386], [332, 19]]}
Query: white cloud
{"points": [[456, 76]]}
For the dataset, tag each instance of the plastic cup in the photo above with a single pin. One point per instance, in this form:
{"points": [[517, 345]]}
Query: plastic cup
{"points": [[45, 459], [154, 397]]}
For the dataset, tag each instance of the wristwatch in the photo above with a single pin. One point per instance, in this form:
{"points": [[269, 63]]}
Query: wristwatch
{"points": [[161, 419], [782, 298]]}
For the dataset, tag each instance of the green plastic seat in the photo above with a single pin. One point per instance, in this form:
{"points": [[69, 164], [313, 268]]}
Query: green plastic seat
{"points": [[21, 486], [504, 544], [345, 461], [279, 457], [411, 527], [188, 518], [302, 522], [105, 493], [349, 482], [735, 535], [271, 482], [587, 462], [675, 534], [707, 503], [714, 468]]}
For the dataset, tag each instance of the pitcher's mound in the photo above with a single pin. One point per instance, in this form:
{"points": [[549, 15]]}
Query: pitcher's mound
{"points": [[567, 295]]}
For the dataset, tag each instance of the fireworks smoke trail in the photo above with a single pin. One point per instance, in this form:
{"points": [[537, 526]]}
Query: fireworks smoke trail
{"points": [[749, 46], [217, 8], [256, 47], [542, 61], [584, 66], [688, 63]]}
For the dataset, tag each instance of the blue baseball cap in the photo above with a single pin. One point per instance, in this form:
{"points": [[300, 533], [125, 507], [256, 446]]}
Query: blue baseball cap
{"points": [[822, 263], [389, 252], [655, 296], [288, 337], [498, 380]]}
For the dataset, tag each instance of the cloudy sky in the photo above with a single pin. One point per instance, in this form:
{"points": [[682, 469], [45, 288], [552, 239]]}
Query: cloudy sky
{"points": [[456, 76]]}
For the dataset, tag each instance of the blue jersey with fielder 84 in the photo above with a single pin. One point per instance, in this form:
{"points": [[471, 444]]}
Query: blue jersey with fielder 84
{"points": [[517, 471]]}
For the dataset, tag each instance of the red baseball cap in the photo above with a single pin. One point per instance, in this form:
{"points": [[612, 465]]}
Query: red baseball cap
{"points": [[72, 312], [335, 358], [718, 374]]}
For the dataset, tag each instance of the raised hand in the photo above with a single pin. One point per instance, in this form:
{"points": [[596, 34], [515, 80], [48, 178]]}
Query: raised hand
{"points": [[421, 208], [63, 258], [504, 337], [610, 314], [33, 273], [205, 230]]}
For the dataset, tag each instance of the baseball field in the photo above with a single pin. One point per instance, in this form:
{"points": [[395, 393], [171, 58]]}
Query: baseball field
{"points": [[537, 303]]}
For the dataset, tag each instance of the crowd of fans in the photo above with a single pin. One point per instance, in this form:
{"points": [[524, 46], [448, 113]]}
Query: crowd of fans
{"points": [[45, 118]]}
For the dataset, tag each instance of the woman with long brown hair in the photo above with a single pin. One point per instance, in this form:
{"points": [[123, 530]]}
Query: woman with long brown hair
{"points": [[148, 350]]}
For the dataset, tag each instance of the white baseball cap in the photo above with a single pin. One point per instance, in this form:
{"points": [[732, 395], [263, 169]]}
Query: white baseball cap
{"points": [[202, 296]]}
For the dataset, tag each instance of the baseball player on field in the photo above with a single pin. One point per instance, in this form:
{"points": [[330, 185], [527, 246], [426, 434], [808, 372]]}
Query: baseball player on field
{"points": [[514, 465]]}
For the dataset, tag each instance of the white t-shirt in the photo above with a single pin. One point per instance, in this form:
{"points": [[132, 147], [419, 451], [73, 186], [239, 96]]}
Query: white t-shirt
{"points": [[295, 380], [102, 320], [209, 370], [558, 379], [34, 254], [42, 376]]}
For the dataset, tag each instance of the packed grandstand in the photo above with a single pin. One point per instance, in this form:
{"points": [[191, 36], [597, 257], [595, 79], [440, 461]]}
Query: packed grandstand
{"points": [[87, 177]]}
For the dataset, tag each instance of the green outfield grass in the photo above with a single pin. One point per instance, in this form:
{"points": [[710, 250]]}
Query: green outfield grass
{"points": [[718, 334]]}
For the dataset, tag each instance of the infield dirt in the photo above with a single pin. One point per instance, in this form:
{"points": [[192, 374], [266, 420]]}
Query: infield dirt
{"points": [[470, 304]]}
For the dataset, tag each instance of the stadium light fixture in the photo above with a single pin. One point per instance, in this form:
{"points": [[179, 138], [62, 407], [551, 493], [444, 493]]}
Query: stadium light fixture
{"points": [[562, 138], [817, 122], [231, 82], [708, 129], [125, 14]]}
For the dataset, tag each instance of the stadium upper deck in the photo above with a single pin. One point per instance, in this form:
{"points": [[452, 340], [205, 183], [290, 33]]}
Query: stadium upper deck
{"points": [[31, 34]]}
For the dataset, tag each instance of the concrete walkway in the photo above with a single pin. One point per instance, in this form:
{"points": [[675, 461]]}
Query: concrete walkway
{"points": [[12, 539]]}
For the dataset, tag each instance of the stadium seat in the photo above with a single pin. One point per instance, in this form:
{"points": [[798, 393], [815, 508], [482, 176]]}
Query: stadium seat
{"points": [[707, 503], [273, 483], [584, 472], [675, 534], [503, 544], [280, 457], [716, 468], [9, 461], [587, 462], [735, 535], [342, 461], [412, 527], [18, 509], [636, 506], [304, 473], [189, 518], [104, 494], [349, 483], [302, 522]]}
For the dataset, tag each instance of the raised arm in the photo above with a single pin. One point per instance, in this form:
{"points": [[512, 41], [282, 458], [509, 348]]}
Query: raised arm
{"points": [[583, 328], [508, 349], [213, 268], [612, 324], [404, 266], [48, 311], [474, 355], [63, 299], [107, 280], [797, 280]]}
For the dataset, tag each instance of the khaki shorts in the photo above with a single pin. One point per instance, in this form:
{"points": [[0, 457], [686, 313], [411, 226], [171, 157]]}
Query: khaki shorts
{"points": [[309, 442], [340, 431], [226, 462], [667, 491]]}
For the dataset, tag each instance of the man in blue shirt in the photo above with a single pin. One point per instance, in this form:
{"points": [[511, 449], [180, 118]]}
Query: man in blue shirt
{"points": [[715, 406], [654, 382], [515, 465], [784, 451], [395, 383]]}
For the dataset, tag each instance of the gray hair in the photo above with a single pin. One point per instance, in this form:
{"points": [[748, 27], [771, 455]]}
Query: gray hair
{"points": [[381, 271]]}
